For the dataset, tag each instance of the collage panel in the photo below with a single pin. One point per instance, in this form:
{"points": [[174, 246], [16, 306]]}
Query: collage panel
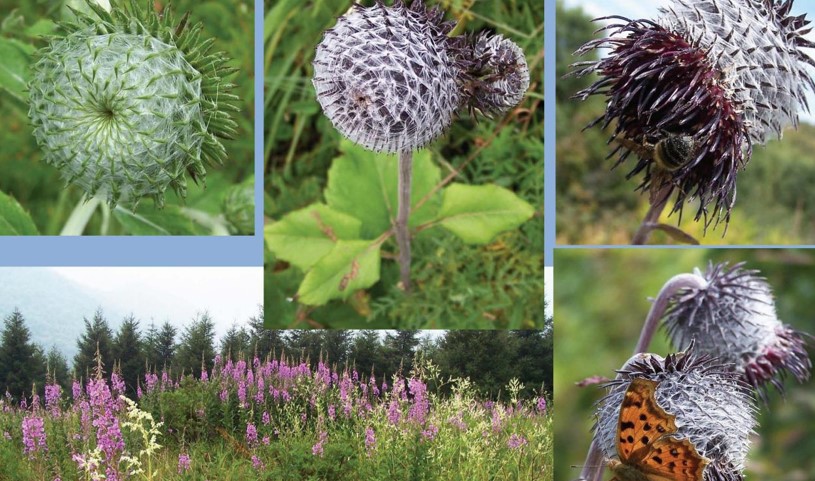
{"points": [[723, 370], [666, 109], [127, 117], [121, 373], [403, 164]]}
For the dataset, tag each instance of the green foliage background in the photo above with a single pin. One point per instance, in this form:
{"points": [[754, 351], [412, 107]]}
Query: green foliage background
{"points": [[38, 186], [456, 286], [597, 205], [602, 299]]}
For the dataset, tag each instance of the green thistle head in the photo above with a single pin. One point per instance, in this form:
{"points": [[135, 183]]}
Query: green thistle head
{"points": [[127, 102]]}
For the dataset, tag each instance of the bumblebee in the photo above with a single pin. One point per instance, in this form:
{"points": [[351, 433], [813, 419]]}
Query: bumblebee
{"points": [[670, 153]]}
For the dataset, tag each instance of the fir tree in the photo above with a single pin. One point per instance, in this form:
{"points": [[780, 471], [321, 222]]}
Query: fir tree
{"points": [[197, 344], [127, 351], [97, 336], [58, 368], [264, 342], [21, 362], [236, 344]]}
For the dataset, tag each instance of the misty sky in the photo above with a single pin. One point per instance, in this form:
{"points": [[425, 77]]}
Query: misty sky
{"points": [[648, 9], [229, 294]]}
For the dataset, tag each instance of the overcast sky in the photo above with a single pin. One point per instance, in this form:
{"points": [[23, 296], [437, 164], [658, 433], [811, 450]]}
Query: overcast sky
{"points": [[229, 294], [648, 9]]}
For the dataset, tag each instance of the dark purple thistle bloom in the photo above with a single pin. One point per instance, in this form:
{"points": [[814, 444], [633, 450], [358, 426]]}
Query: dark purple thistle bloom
{"points": [[660, 84], [720, 75]]}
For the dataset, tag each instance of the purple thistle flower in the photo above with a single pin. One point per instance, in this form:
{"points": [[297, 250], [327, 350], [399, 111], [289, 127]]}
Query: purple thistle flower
{"points": [[692, 91]]}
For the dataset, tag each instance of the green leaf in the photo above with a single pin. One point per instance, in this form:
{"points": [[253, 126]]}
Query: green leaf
{"points": [[476, 214], [364, 185], [304, 236], [41, 28], [350, 266], [150, 221], [14, 220], [14, 72]]}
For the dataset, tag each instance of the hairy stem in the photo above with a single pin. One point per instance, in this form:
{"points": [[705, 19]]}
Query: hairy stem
{"points": [[80, 216], [658, 202], [593, 467], [401, 227]]}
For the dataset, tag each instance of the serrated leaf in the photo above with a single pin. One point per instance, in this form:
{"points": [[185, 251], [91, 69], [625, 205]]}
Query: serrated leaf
{"points": [[150, 221], [14, 220], [364, 185], [476, 214], [350, 266], [14, 72], [304, 236]]}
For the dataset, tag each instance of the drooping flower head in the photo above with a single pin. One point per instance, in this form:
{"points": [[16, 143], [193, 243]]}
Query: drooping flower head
{"points": [[391, 79], [711, 406], [733, 318], [692, 91], [128, 102]]}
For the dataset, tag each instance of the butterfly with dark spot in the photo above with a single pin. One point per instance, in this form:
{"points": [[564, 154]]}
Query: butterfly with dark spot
{"points": [[647, 447]]}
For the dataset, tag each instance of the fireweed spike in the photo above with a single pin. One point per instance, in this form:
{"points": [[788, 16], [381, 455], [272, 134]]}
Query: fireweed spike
{"points": [[732, 317], [392, 80], [692, 91], [128, 102]]}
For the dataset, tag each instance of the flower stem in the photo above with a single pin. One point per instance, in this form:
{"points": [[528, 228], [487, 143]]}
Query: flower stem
{"points": [[80, 216], [658, 202], [593, 467], [401, 227]]}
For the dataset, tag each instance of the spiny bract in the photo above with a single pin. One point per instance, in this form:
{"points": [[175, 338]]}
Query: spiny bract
{"points": [[392, 79], [733, 318], [385, 77], [127, 102]]}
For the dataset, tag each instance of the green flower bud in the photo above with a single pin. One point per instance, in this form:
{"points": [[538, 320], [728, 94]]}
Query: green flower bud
{"points": [[126, 103]]}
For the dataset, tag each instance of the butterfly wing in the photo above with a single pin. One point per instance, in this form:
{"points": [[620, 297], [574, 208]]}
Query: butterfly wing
{"points": [[644, 439], [641, 421], [672, 459]]}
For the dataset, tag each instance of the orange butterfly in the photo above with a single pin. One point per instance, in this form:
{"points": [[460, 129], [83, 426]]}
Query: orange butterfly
{"points": [[645, 445]]}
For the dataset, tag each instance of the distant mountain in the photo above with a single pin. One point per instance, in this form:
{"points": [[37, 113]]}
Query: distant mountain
{"points": [[54, 307], [55, 304]]}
